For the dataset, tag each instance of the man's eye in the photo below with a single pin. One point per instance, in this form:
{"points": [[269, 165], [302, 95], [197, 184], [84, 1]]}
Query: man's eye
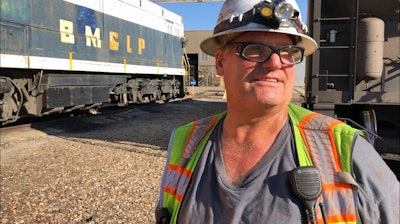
{"points": [[285, 54]]}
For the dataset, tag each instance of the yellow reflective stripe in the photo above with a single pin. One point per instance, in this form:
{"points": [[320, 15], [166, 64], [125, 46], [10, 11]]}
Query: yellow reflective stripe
{"points": [[344, 136], [188, 144], [296, 113]]}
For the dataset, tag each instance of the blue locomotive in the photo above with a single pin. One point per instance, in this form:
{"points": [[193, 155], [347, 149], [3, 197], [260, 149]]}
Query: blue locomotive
{"points": [[64, 55]]}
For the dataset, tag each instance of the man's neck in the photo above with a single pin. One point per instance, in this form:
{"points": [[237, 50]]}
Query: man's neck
{"points": [[245, 141]]}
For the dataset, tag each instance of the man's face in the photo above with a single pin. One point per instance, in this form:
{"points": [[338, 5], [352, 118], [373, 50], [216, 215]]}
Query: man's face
{"points": [[256, 84]]}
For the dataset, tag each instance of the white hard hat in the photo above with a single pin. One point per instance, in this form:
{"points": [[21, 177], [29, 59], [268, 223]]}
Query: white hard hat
{"points": [[278, 16]]}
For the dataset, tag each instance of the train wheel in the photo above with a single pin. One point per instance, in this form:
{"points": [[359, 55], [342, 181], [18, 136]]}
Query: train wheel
{"points": [[368, 120], [11, 100], [139, 96], [157, 94]]}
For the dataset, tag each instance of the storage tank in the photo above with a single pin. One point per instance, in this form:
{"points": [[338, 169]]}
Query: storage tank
{"points": [[371, 33]]}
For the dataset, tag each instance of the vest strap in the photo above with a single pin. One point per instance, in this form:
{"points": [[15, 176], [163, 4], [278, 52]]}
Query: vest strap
{"points": [[345, 177]]}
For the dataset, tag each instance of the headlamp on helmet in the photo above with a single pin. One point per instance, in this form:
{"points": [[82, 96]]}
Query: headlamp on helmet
{"points": [[275, 16], [284, 12], [265, 9], [265, 13]]}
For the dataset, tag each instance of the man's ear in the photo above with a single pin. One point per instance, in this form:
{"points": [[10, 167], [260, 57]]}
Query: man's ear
{"points": [[219, 61]]}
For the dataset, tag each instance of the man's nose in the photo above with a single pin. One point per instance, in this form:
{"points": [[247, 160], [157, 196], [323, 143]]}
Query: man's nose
{"points": [[274, 61]]}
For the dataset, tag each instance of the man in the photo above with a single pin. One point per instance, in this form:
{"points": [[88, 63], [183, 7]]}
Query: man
{"points": [[265, 160]]}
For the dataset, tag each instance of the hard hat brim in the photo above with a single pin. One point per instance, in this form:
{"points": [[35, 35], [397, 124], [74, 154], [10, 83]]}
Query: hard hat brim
{"points": [[210, 44]]}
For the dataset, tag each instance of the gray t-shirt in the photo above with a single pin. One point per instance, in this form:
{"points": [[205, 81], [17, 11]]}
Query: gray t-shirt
{"points": [[265, 195]]}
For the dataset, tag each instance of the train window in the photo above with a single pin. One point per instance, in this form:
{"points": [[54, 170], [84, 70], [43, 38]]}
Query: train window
{"points": [[19, 11]]}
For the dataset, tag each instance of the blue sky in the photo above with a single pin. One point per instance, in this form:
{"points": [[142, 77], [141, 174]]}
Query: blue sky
{"points": [[203, 16]]}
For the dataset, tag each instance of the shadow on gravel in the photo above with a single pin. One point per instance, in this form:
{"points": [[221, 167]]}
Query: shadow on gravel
{"points": [[141, 125]]}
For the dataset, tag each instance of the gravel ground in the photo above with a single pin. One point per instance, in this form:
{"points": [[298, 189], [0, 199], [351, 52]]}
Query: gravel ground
{"points": [[99, 169]]}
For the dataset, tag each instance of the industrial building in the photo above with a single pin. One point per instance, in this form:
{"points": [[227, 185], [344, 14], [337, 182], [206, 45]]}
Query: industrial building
{"points": [[202, 66]]}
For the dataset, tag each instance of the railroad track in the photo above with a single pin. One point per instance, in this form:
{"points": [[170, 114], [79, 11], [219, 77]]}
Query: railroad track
{"points": [[105, 110]]}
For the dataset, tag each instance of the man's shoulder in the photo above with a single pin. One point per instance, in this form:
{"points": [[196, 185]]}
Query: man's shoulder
{"points": [[300, 115], [204, 121]]}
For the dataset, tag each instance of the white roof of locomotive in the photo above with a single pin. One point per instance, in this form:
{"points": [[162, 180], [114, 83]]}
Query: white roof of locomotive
{"points": [[144, 12]]}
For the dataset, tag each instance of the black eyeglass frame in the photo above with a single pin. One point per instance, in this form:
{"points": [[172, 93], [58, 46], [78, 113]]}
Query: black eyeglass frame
{"points": [[242, 46]]}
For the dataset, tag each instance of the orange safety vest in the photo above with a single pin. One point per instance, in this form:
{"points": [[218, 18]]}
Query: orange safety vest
{"points": [[320, 141]]}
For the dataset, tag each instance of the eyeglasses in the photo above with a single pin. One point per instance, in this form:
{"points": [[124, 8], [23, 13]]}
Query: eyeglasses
{"points": [[258, 52]]}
